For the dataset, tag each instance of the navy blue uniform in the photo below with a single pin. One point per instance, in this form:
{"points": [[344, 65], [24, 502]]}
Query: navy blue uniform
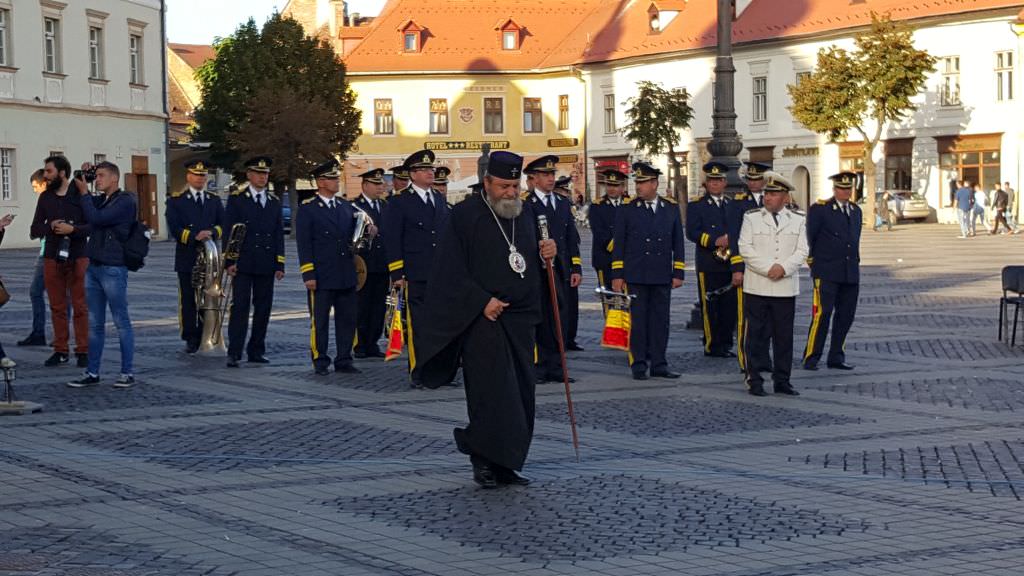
{"points": [[601, 216], [413, 228], [834, 242], [260, 257], [187, 217], [562, 227], [706, 222], [372, 305], [741, 203], [324, 238], [648, 255]]}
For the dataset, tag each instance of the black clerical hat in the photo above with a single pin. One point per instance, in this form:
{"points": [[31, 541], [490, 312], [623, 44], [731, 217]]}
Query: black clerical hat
{"points": [[505, 165]]}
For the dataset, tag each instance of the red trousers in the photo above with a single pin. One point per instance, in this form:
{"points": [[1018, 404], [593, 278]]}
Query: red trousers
{"points": [[64, 280]]}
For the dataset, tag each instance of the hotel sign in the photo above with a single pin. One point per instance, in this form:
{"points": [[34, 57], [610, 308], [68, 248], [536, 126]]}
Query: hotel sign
{"points": [[466, 145], [799, 151], [563, 142]]}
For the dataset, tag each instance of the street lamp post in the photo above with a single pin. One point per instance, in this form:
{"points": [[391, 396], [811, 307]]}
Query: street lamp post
{"points": [[725, 144]]}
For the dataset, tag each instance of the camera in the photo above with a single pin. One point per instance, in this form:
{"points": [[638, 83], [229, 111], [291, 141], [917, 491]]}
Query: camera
{"points": [[87, 175]]}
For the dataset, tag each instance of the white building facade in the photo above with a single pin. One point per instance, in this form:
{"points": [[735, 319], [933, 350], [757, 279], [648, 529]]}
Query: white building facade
{"points": [[86, 79], [967, 124]]}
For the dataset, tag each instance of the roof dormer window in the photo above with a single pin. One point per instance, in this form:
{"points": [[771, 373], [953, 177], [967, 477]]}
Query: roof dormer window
{"points": [[412, 35], [511, 34], [661, 13]]}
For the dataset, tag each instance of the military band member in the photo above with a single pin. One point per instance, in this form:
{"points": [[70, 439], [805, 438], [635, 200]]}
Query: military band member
{"points": [[647, 259], [752, 198], [833, 236], [542, 199], [373, 296], [193, 216], [773, 243], [399, 179], [562, 188], [602, 222], [323, 233], [706, 226], [260, 261], [441, 174], [413, 221]]}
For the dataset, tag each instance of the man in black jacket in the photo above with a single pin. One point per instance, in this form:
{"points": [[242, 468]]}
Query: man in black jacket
{"points": [[59, 219]]}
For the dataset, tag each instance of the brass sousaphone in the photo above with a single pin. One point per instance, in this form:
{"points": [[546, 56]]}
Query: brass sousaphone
{"points": [[360, 238]]}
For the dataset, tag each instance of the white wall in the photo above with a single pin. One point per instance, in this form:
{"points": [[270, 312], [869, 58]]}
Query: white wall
{"points": [[69, 112]]}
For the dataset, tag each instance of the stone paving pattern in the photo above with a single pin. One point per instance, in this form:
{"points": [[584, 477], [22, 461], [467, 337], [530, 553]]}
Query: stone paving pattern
{"points": [[912, 464]]}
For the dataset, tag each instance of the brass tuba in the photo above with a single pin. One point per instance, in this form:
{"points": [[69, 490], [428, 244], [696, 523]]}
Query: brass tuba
{"points": [[206, 281], [360, 238]]}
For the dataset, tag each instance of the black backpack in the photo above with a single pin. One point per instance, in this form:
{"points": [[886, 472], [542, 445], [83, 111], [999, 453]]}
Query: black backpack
{"points": [[136, 246]]}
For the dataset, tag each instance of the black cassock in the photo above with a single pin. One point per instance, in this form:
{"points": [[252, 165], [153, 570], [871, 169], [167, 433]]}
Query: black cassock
{"points": [[471, 266]]}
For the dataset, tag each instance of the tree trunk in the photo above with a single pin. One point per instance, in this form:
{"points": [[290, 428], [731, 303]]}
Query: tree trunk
{"points": [[674, 182], [870, 191], [293, 202]]}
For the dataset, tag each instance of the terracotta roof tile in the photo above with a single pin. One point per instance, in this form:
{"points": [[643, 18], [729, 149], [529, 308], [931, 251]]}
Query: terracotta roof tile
{"points": [[460, 35], [193, 54]]}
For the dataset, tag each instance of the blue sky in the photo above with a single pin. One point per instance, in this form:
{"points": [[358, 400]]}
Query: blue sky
{"points": [[200, 21]]}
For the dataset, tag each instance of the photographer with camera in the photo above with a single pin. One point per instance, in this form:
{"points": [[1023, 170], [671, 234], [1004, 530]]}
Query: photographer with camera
{"points": [[112, 216], [60, 220]]}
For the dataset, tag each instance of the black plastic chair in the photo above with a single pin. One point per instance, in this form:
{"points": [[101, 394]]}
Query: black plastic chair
{"points": [[1013, 293]]}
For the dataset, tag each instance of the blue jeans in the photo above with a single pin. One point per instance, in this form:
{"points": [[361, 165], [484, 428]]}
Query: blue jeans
{"points": [[36, 294], [965, 222], [108, 285]]}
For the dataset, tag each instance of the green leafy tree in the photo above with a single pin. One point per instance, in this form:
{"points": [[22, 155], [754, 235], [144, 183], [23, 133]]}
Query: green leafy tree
{"points": [[862, 90], [276, 91], [655, 118]]}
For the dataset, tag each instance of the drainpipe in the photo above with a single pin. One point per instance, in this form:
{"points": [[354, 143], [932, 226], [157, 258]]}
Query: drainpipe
{"points": [[167, 111]]}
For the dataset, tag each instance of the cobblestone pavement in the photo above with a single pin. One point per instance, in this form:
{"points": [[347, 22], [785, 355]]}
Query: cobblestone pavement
{"points": [[912, 464]]}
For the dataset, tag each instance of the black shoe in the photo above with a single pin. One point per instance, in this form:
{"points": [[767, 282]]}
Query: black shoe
{"points": [[321, 370], [723, 354], [416, 385], [233, 361], [82, 360], [376, 354], [640, 376], [665, 374], [33, 340], [506, 476], [359, 354], [261, 359], [347, 369], [756, 390], [56, 359], [786, 389], [191, 348], [811, 367], [574, 347], [85, 381], [553, 378], [841, 366], [484, 476]]}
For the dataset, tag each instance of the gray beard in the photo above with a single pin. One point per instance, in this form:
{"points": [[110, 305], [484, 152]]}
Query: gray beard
{"points": [[508, 209]]}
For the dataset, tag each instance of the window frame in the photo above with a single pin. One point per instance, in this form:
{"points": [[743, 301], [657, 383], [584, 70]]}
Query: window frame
{"points": [[414, 36], [5, 36], [379, 113], [536, 115], [512, 35], [96, 45], [759, 94], [7, 159], [946, 99], [563, 112], [1004, 75], [609, 113], [52, 45], [500, 115], [135, 54], [439, 116]]}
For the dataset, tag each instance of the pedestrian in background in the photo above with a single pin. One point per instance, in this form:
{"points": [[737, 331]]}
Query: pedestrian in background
{"points": [[5, 362], [965, 206], [37, 291], [999, 209], [980, 210]]}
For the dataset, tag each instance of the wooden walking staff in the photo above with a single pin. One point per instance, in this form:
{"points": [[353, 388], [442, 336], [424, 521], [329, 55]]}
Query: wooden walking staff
{"points": [[542, 225]]}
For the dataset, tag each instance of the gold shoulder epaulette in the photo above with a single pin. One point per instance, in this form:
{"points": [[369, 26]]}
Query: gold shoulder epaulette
{"points": [[524, 196], [669, 200], [601, 200], [822, 201], [626, 199], [272, 195], [308, 200], [752, 210], [176, 194], [740, 196], [238, 192]]}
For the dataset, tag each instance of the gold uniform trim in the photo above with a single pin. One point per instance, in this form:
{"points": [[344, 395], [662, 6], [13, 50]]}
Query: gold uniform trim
{"points": [[184, 235], [704, 238], [736, 259], [396, 265], [617, 265], [679, 265], [306, 268], [611, 245], [577, 261], [220, 231], [280, 259]]}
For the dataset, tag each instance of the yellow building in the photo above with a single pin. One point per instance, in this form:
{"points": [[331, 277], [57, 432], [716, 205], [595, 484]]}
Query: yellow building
{"points": [[450, 75]]}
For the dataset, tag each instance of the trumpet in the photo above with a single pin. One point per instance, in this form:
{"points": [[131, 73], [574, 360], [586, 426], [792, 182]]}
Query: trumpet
{"points": [[360, 240], [614, 300]]}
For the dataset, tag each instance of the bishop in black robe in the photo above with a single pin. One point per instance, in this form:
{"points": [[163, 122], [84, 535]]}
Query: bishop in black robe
{"points": [[495, 350]]}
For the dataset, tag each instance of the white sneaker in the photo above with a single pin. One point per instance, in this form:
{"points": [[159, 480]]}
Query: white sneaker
{"points": [[6, 362], [125, 381]]}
